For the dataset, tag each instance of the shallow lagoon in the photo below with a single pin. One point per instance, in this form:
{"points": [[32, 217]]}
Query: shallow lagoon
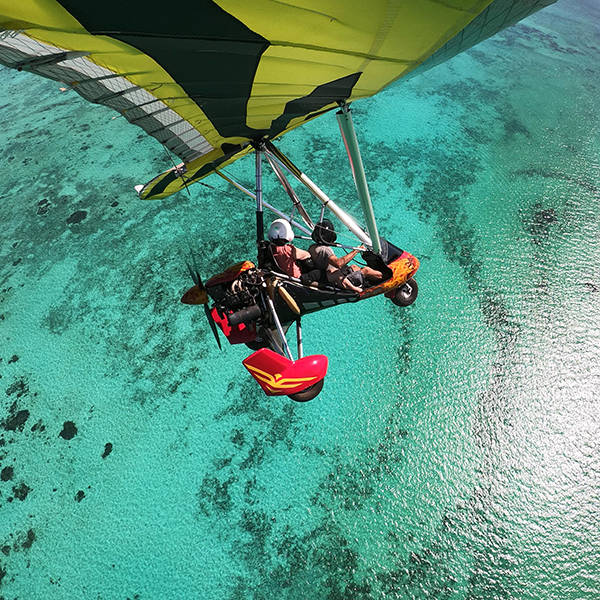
{"points": [[454, 450]]}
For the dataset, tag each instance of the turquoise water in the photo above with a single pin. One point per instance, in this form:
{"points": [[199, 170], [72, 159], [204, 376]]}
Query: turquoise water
{"points": [[454, 450]]}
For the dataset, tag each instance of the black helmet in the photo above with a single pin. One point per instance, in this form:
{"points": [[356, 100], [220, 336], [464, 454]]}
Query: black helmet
{"points": [[324, 233]]}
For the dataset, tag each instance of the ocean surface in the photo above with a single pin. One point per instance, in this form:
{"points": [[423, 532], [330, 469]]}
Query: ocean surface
{"points": [[454, 452]]}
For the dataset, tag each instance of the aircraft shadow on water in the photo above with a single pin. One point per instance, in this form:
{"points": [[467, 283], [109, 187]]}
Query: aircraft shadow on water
{"points": [[213, 81]]}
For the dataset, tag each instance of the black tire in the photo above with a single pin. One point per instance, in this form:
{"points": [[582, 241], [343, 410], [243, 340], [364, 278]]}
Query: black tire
{"points": [[309, 393], [406, 294], [254, 346]]}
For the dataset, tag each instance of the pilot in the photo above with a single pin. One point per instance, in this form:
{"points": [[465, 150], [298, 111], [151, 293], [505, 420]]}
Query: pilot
{"points": [[338, 271], [286, 255]]}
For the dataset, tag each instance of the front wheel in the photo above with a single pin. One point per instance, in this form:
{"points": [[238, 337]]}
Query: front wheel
{"points": [[309, 393], [406, 294]]}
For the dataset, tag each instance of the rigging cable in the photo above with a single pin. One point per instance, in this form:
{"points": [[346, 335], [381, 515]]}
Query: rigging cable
{"points": [[178, 171]]}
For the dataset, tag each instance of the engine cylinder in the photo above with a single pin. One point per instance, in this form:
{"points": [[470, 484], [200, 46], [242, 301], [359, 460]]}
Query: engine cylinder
{"points": [[246, 315]]}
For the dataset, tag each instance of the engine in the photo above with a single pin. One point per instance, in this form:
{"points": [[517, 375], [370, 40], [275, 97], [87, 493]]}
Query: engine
{"points": [[238, 300]]}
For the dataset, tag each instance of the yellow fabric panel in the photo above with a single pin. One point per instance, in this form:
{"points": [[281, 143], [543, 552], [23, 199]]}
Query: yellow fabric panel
{"points": [[23, 14], [418, 43], [352, 26], [314, 43], [378, 71], [345, 25], [423, 26], [285, 73], [459, 5], [193, 167]]}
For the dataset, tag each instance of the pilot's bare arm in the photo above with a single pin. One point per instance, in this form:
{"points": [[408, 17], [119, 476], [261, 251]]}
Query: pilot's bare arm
{"points": [[338, 263]]}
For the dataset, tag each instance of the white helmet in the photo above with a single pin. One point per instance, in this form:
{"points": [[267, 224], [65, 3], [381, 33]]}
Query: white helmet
{"points": [[280, 230]]}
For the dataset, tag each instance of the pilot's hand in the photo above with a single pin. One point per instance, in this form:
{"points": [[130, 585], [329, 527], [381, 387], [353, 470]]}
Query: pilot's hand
{"points": [[361, 248]]}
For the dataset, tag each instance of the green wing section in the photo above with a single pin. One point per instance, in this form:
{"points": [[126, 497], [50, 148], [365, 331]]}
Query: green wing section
{"points": [[207, 78]]}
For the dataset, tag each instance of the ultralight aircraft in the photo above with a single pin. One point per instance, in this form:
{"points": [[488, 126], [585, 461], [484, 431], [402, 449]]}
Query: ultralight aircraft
{"points": [[213, 81]]}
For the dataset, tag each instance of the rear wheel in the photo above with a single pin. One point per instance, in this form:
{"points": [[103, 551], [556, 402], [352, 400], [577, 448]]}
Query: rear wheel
{"points": [[257, 345], [406, 293], [309, 393]]}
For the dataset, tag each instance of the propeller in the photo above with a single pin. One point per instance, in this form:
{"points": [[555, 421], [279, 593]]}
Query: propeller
{"points": [[193, 269]]}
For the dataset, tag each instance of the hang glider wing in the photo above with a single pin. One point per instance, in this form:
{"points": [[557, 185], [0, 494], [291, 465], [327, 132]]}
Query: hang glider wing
{"points": [[206, 78]]}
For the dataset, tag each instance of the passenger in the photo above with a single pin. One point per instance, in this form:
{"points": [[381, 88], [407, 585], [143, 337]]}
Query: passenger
{"points": [[286, 255], [338, 271]]}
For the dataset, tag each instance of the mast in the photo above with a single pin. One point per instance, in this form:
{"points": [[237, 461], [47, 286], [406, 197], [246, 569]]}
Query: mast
{"points": [[260, 227], [248, 193], [349, 136]]}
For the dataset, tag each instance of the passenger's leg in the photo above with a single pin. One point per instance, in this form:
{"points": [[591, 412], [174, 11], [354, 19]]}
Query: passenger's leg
{"points": [[337, 279], [350, 286], [356, 278], [372, 274]]}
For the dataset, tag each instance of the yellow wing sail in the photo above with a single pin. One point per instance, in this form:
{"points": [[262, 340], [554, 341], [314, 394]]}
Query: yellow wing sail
{"points": [[207, 78]]}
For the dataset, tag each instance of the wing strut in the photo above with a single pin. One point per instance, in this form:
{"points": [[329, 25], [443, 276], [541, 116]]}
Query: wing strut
{"points": [[358, 172], [248, 193], [290, 191], [344, 217]]}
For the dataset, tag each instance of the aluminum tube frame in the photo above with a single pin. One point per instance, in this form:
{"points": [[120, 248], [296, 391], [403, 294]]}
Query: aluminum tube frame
{"points": [[278, 325], [289, 190], [266, 205], [260, 227], [336, 245], [299, 338], [348, 132], [344, 217]]}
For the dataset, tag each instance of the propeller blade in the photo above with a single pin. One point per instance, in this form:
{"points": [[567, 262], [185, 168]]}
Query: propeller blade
{"points": [[195, 272], [195, 275], [212, 325]]}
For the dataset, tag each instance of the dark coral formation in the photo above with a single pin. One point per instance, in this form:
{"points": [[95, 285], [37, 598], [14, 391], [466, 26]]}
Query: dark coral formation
{"points": [[77, 217], [69, 430], [107, 449], [29, 541], [21, 491], [16, 419], [7, 473]]}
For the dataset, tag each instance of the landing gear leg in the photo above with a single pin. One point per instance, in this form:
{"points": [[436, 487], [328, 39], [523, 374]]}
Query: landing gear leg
{"points": [[299, 337], [314, 390]]}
